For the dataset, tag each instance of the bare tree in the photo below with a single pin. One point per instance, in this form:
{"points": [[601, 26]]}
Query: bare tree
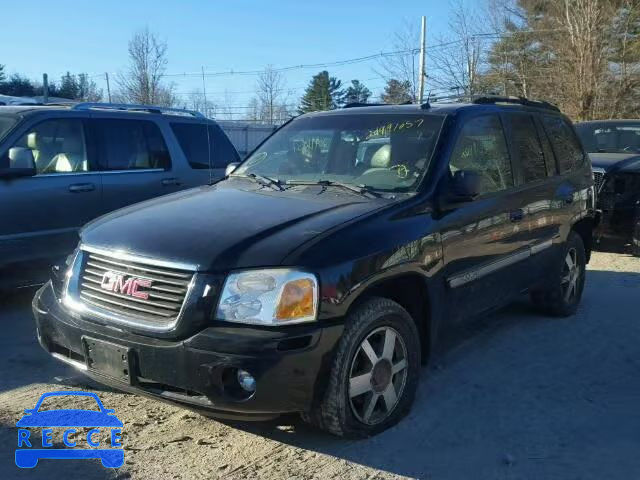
{"points": [[403, 65], [142, 82], [270, 92], [198, 101], [459, 58]]}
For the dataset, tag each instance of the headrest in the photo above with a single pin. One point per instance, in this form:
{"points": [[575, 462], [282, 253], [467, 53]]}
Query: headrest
{"points": [[32, 140], [382, 157]]}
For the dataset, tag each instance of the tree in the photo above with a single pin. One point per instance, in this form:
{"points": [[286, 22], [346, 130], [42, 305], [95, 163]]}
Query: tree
{"points": [[199, 103], [396, 92], [2, 74], [270, 95], [18, 86], [87, 89], [323, 93], [356, 93], [403, 64], [142, 82], [68, 87]]}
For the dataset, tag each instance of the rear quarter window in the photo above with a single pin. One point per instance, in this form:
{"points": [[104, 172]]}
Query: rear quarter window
{"points": [[199, 144], [564, 142]]}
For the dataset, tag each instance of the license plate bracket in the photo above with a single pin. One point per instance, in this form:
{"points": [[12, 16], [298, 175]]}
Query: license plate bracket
{"points": [[108, 359]]}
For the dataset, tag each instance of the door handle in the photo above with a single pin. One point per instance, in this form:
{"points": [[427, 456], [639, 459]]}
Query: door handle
{"points": [[166, 182], [516, 215], [82, 187]]}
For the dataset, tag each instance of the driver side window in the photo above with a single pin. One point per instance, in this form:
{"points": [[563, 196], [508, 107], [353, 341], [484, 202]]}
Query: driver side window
{"points": [[58, 146], [482, 148]]}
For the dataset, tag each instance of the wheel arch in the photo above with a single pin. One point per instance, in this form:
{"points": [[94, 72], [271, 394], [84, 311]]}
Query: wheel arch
{"points": [[412, 292], [584, 228]]}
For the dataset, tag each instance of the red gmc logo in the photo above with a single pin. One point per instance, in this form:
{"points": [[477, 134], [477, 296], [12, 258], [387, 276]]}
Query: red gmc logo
{"points": [[121, 283]]}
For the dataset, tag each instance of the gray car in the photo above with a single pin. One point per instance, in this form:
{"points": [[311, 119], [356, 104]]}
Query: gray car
{"points": [[62, 166]]}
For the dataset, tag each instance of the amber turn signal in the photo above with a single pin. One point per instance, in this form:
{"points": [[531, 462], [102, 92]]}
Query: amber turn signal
{"points": [[296, 300]]}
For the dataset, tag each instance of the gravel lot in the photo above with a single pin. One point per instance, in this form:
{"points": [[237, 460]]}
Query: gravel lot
{"points": [[515, 396]]}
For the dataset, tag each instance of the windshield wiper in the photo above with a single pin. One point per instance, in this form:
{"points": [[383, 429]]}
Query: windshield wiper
{"points": [[361, 189], [273, 183]]}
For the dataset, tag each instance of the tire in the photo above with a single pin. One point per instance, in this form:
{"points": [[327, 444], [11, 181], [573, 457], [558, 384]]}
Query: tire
{"points": [[355, 401], [563, 296]]}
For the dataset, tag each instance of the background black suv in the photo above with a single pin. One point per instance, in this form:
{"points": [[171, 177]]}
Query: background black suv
{"points": [[317, 276]]}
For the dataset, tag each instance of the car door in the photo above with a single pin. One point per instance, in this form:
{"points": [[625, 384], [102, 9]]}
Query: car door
{"points": [[483, 243], [206, 151], [40, 216], [134, 161]]}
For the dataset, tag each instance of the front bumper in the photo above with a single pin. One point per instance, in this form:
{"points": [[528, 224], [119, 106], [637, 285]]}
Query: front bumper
{"points": [[287, 363]]}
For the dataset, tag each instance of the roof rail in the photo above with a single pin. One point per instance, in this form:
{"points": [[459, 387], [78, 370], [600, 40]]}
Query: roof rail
{"points": [[492, 99], [360, 104], [136, 108]]}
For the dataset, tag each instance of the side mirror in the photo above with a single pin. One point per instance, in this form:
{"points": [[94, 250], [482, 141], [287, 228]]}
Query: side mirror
{"points": [[465, 186], [231, 168], [21, 163]]}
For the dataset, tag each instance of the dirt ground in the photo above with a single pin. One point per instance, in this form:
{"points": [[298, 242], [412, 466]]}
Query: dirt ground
{"points": [[515, 396]]}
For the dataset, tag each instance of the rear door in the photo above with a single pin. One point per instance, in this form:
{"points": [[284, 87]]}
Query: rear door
{"points": [[134, 161], [40, 216], [484, 244]]}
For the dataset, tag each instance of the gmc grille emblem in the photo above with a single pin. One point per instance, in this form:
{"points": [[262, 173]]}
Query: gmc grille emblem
{"points": [[125, 285]]}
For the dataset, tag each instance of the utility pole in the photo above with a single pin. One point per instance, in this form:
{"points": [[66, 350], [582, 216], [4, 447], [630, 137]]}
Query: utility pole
{"points": [[45, 88], [106, 77], [423, 75]]}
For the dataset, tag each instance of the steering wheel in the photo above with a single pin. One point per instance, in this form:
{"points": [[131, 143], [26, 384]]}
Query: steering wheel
{"points": [[401, 170]]}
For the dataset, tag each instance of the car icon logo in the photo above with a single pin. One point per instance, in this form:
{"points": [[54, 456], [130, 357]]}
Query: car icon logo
{"points": [[28, 452]]}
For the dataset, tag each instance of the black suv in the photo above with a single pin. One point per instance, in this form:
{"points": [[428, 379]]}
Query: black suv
{"points": [[316, 278], [614, 148]]}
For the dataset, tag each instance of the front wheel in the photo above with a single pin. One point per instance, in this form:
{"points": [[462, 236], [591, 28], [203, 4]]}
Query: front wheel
{"points": [[375, 372], [563, 295]]}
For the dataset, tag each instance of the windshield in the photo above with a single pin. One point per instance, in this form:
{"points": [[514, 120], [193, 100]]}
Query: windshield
{"points": [[610, 137], [383, 152], [6, 122]]}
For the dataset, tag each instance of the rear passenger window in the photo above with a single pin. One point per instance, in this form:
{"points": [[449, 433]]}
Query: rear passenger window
{"points": [[197, 146], [564, 142], [481, 147], [131, 145], [527, 147]]}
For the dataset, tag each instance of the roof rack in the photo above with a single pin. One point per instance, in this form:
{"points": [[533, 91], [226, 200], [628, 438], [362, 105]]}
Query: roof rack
{"points": [[360, 104], [492, 99], [136, 108]]}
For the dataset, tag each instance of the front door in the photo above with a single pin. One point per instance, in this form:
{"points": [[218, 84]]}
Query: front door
{"points": [[484, 241], [41, 215]]}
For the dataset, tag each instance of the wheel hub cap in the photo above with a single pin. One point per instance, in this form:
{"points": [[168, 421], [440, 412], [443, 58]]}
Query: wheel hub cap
{"points": [[381, 376]]}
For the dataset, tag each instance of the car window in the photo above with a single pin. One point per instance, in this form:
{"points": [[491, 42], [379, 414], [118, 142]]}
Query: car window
{"points": [[610, 137], [386, 152], [57, 145], [6, 123], [565, 144], [197, 145], [482, 148], [527, 147], [131, 145]]}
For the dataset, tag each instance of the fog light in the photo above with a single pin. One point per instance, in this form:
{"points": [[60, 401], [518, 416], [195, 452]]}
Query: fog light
{"points": [[246, 381]]}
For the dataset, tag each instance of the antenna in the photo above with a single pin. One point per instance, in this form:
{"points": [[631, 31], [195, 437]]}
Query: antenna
{"points": [[206, 114]]}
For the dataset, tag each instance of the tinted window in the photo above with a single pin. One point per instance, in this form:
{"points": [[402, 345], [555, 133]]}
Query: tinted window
{"points": [[6, 122], [131, 145], [197, 145], [57, 146], [481, 147], [527, 147], [610, 137], [565, 145]]}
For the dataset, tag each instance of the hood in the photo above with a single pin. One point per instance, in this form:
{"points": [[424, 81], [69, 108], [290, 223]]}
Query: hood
{"points": [[233, 224], [615, 161]]}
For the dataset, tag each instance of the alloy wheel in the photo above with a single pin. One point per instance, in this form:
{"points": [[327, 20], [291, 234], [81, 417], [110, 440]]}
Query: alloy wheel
{"points": [[378, 375], [571, 272]]}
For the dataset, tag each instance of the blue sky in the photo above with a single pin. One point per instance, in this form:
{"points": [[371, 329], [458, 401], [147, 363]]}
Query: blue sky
{"points": [[92, 36]]}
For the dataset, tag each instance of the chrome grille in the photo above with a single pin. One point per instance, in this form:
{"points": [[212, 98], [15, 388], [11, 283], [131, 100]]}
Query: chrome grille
{"points": [[165, 295], [598, 179]]}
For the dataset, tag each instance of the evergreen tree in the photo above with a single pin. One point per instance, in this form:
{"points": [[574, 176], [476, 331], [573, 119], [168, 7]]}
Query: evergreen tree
{"points": [[323, 93], [17, 86], [2, 75], [396, 92], [69, 87], [357, 93]]}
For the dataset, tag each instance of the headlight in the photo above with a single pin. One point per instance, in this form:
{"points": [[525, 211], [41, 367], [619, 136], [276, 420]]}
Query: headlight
{"points": [[269, 297]]}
